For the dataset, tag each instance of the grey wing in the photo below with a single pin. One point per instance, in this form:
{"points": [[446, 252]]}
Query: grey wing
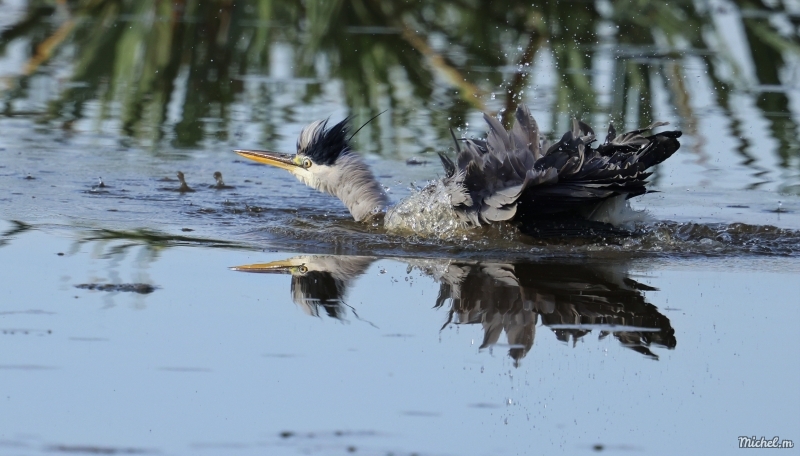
{"points": [[518, 166], [495, 172]]}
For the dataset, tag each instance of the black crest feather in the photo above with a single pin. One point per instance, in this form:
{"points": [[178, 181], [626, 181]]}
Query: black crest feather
{"points": [[324, 145]]}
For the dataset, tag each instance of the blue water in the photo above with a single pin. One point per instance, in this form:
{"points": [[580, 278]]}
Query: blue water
{"points": [[218, 361]]}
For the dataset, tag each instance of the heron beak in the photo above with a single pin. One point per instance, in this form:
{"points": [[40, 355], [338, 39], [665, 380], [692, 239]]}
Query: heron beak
{"points": [[275, 267], [283, 161]]}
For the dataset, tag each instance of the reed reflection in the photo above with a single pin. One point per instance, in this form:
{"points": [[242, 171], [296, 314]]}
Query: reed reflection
{"points": [[573, 300], [181, 71]]}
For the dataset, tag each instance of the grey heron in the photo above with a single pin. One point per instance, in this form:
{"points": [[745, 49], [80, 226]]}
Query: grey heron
{"points": [[513, 175]]}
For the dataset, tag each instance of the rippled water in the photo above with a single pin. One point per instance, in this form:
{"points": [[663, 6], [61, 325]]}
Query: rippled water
{"points": [[385, 356], [263, 208], [126, 330]]}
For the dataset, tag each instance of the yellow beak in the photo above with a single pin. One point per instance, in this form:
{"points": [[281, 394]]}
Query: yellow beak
{"points": [[283, 161]]}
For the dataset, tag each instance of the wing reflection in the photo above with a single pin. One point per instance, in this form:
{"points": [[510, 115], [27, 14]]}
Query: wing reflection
{"points": [[573, 300]]}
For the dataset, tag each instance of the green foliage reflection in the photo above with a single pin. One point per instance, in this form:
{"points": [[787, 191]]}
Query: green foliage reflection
{"points": [[180, 71]]}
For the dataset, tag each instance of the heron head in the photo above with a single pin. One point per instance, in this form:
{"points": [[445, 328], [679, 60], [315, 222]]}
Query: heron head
{"points": [[324, 161], [319, 148]]}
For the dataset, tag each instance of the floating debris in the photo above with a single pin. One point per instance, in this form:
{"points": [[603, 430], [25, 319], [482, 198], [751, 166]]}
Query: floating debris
{"points": [[141, 288], [780, 209], [184, 187], [414, 161], [26, 332], [220, 185], [100, 187], [218, 178], [91, 449]]}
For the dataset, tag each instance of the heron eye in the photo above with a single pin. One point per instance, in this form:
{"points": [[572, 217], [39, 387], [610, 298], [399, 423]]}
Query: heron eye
{"points": [[303, 269], [306, 163]]}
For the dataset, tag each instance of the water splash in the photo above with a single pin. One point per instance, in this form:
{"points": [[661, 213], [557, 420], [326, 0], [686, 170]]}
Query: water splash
{"points": [[428, 212]]}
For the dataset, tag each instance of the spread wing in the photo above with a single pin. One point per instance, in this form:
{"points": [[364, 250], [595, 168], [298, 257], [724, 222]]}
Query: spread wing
{"points": [[517, 166]]}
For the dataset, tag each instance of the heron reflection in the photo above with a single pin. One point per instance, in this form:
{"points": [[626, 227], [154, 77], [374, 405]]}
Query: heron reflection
{"points": [[573, 300]]}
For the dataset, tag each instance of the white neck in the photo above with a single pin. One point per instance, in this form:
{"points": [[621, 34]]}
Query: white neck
{"points": [[352, 182]]}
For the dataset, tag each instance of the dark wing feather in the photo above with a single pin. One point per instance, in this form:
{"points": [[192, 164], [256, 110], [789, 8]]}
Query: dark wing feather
{"points": [[448, 165], [517, 168]]}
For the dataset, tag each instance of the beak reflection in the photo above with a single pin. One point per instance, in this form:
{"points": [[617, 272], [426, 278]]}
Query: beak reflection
{"points": [[276, 267]]}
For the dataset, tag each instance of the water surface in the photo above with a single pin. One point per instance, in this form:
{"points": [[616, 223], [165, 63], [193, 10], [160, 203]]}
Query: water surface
{"points": [[126, 331], [389, 356]]}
